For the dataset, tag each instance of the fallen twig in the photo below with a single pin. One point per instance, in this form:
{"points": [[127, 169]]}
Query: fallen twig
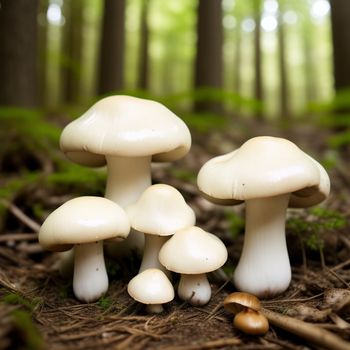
{"points": [[18, 237], [208, 345], [307, 331], [19, 214]]}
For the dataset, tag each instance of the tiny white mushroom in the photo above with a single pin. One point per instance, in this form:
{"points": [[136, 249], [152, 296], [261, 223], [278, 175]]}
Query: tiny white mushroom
{"points": [[127, 133], [192, 252], [153, 288], [84, 223], [159, 213], [268, 173]]}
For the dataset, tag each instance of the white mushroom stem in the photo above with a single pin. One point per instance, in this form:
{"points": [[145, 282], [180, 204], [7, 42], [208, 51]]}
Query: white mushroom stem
{"points": [[154, 308], [127, 179], [264, 268], [90, 280], [150, 253], [65, 263], [194, 288]]}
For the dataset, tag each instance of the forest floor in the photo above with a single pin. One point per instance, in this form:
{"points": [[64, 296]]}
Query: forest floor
{"points": [[38, 309]]}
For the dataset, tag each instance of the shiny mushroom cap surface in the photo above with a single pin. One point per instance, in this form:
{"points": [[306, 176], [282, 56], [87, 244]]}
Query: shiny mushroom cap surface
{"points": [[125, 126], [82, 220], [263, 167], [161, 210]]}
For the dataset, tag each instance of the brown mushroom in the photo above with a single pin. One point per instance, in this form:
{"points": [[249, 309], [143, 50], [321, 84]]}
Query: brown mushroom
{"points": [[246, 308]]}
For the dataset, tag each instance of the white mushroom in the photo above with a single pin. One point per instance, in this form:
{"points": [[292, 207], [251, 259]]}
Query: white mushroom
{"points": [[127, 133], [151, 287], [159, 213], [192, 252], [268, 173], [84, 223]]}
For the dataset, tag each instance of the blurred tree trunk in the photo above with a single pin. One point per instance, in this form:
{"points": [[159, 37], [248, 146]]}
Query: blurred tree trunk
{"points": [[284, 105], [340, 19], [310, 79], [143, 68], [72, 50], [237, 60], [258, 90], [209, 60], [111, 74], [42, 51], [237, 82], [18, 52]]}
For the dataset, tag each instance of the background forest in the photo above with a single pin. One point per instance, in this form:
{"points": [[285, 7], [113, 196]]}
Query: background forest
{"points": [[232, 70]]}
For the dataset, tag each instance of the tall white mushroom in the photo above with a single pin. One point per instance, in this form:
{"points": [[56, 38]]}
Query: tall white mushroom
{"points": [[85, 222], [268, 173], [159, 213], [127, 133], [193, 252]]}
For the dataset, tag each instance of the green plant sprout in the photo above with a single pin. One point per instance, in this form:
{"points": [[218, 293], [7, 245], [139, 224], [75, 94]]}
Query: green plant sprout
{"points": [[105, 303], [311, 228]]}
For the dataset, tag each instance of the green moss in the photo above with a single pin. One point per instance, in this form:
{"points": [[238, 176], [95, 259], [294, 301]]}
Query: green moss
{"points": [[183, 174], [65, 290], [236, 223], [315, 224], [17, 299], [105, 303]]}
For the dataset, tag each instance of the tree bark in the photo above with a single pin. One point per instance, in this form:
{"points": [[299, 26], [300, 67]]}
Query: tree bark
{"points": [[42, 52], [237, 83], [209, 60], [284, 105], [111, 74], [18, 52], [340, 17], [143, 69], [310, 78], [72, 50], [258, 89]]}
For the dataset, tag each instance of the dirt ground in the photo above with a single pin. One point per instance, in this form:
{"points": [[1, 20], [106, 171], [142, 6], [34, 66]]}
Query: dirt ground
{"points": [[38, 309]]}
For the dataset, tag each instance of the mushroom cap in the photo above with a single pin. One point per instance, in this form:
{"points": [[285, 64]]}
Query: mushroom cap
{"points": [[264, 167], [161, 210], [125, 126], [151, 286], [238, 301], [82, 220], [251, 322], [193, 251]]}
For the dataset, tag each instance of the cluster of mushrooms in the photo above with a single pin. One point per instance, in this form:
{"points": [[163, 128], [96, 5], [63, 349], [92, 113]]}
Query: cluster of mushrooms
{"points": [[127, 134]]}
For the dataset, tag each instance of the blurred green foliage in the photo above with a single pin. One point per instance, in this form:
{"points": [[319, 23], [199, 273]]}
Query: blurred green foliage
{"points": [[335, 115], [30, 336], [21, 319]]}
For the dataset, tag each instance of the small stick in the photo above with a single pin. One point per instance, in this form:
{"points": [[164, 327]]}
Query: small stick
{"points": [[208, 345], [338, 277], [307, 331], [19, 214], [18, 237], [269, 302]]}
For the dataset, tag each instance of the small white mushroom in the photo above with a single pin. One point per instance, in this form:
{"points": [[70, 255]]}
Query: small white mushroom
{"points": [[153, 288], [127, 133], [159, 213], [84, 223], [192, 252], [270, 174]]}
